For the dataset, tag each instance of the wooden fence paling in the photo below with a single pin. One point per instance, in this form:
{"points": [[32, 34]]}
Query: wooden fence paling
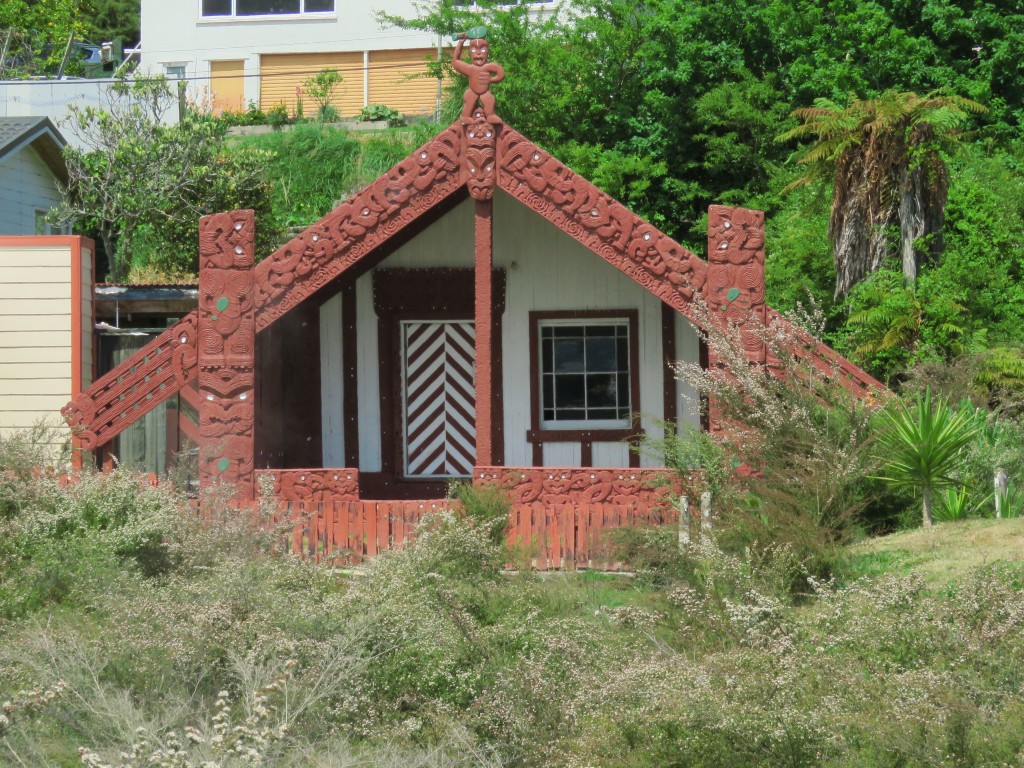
{"points": [[564, 535]]}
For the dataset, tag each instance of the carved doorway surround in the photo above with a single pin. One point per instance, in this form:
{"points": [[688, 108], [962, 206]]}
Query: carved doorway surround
{"points": [[426, 373]]}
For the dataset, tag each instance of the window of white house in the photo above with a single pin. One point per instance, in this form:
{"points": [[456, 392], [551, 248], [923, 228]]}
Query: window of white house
{"points": [[585, 373], [216, 8], [175, 71]]}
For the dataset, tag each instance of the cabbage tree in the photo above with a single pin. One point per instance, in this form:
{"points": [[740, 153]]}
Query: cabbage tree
{"points": [[922, 447]]}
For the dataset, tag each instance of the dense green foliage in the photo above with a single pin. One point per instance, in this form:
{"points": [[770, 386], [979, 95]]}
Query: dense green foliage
{"points": [[142, 184]]}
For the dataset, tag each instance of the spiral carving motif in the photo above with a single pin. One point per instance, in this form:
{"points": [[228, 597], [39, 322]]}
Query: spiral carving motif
{"points": [[547, 485], [316, 485]]}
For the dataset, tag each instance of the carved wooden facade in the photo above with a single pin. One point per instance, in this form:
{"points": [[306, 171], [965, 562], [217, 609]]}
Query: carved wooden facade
{"points": [[217, 344]]}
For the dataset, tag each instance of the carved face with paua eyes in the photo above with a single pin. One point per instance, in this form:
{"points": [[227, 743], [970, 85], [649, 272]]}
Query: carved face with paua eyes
{"points": [[479, 51], [480, 158]]}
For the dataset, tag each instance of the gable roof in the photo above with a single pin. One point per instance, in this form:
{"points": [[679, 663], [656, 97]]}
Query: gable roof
{"points": [[387, 208], [41, 134]]}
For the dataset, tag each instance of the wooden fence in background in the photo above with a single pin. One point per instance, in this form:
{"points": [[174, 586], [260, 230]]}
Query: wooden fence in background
{"points": [[548, 536]]}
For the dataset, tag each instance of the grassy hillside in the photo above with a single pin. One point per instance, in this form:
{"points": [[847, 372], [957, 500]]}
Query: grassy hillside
{"points": [[942, 554]]}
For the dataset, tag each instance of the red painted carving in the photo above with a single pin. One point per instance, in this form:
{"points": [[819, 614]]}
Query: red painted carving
{"points": [[353, 229], [227, 349], [481, 74], [602, 224], [734, 289], [135, 387], [548, 485], [480, 156], [315, 485]]}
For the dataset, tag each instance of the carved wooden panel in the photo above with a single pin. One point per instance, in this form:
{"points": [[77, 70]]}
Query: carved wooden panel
{"points": [[316, 485], [480, 156], [550, 485], [227, 343], [137, 386], [734, 289]]}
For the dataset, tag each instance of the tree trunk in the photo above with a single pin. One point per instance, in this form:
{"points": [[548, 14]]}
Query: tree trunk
{"points": [[927, 505], [107, 236], [911, 221]]}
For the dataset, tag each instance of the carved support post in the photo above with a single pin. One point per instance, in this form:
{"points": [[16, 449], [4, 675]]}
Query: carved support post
{"points": [[734, 291], [484, 307], [479, 159], [226, 350]]}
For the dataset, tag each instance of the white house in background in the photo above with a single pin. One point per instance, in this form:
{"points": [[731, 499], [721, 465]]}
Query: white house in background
{"points": [[31, 165], [261, 51]]}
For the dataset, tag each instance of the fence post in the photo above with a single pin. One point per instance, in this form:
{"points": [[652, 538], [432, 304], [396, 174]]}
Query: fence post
{"points": [[705, 511], [684, 524], [1001, 482]]}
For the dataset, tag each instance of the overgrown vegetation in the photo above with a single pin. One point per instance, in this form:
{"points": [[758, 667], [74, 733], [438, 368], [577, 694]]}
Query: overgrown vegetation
{"points": [[136, 633]]}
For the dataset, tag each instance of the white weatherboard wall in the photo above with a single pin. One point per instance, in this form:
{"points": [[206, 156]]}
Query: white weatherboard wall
{"points": [[46, 319], [545, 270], [26, 185]]}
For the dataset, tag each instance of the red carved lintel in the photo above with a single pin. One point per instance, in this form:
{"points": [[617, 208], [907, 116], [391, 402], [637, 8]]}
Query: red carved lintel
{"points": [[226, 348], [313, 485], [554, 485]]}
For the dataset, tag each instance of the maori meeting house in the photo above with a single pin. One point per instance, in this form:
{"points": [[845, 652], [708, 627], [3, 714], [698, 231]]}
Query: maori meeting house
{"points": [[478, 312]]}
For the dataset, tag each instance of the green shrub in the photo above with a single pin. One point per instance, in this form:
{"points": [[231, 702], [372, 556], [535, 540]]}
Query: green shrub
{"points": [[381, 112], [277, 116]]}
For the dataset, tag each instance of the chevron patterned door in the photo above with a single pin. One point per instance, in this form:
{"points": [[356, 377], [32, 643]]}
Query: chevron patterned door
{"points": [[438, 398]]}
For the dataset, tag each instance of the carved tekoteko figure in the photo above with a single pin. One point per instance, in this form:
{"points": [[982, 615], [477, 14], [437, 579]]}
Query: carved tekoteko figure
{"points": [[480, 72]]}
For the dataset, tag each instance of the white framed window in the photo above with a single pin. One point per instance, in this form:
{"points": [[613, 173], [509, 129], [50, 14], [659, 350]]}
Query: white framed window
{"points": [[220, 9], [175, 71], [586, 372]]}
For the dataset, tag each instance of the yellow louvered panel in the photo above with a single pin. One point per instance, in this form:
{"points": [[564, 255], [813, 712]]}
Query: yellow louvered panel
{"points": [[282, 73], [228, 85], [391, 82]]}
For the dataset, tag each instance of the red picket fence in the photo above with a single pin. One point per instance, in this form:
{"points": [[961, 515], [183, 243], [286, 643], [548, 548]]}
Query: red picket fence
{"points": [[549, 536]]}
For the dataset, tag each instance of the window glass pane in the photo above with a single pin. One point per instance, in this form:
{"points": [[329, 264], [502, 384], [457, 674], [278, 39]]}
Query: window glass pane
{"points": [[569, 392], [601, 354], [622, 346], [568, 355], [216, 7], [262, 7], [623, 390], [585, 371], [315, 6], [601, 391]]}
